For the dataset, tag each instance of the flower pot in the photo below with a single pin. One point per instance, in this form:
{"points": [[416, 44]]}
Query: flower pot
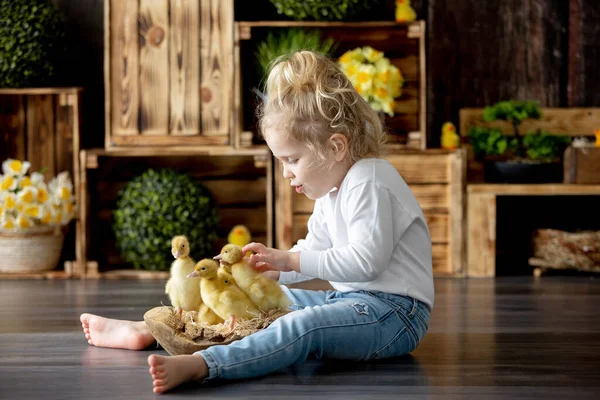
{"points": [[513, 171], [34, 250]]}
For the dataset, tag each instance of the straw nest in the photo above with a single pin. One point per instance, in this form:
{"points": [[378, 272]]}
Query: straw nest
{"points": [[187, 335]]}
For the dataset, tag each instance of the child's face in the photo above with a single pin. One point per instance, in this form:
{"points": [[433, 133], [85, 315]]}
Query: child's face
{"points": [[306, 172]]}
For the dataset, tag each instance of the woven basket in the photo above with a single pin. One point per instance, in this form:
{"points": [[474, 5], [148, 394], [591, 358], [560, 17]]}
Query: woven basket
{"points": [[32, 251]]}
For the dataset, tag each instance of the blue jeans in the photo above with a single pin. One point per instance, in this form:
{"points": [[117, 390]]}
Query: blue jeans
{"points": [[349, 326]]}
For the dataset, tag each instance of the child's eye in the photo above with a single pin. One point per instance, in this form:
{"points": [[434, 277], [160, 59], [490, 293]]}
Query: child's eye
{"points": [[293, 160]]}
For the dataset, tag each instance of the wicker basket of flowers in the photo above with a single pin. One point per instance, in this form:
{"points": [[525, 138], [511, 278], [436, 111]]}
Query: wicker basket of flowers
{"points": [[33, 216]]}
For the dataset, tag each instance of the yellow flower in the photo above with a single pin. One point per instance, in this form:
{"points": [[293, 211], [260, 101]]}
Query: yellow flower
{"points": [[371, 54], [9, 201], [24, 222], [28, 195], [33, 211], [7, 182], [352, 56], [42, 194], [24, 182], [7, 222], [15, 167], [47, 215]]}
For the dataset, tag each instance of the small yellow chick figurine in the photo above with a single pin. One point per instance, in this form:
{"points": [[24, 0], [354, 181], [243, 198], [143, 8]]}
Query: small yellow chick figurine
{"points": [[597, 133], [450, 139], [222, 295], [265, 293], [404, 12], [184, 293]]}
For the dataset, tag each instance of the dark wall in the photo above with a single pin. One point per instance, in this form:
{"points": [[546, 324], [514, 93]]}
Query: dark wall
{"points": [[479, 52]]}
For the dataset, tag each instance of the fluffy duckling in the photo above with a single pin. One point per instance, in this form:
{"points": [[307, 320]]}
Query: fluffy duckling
{"points": [[222, 295], [184, 293], [264, 292]]}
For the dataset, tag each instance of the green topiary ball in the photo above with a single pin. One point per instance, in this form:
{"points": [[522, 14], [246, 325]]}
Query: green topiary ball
{"points": [[158, 205], [322, 10], [32, 39]]}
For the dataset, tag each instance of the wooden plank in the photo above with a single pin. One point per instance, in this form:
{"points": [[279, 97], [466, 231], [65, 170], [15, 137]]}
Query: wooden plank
{"points": [[458, 226], [439, 227], [299, 227], [284, 209], [122, 26], [63, 140], [154, 67], [164, 140], [422, 168], [179, 151], [440, 256], [216, 53], [301, 203], [432, 197], [39, 91], [238, 112], [82, 224], [481, 233], [12, 127], [40, 134], [575, 89], [582, 165], [566, 121], [534, 189], [184, 68]]}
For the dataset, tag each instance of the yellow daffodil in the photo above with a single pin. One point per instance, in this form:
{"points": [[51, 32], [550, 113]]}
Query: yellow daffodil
{"points": [[15, 167], [23, 222], [28, 195], [34, 211], [47, 215], [7, 222], [9, 201], [8, 182], [373, 76], [25, 181], [42, 194]]}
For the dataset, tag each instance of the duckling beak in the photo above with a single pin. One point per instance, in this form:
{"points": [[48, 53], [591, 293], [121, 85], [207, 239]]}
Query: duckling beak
{"points": [[176, 254], [218, 257], [193, 274]]}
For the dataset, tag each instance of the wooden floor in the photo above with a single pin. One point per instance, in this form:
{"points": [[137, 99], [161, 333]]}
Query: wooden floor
{"points": [[506, 338]]}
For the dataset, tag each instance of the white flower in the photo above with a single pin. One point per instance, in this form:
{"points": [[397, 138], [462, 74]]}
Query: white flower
{"points": [[15, 167], [42, 193], [23, 222], [8, 182], [9, 201], [28, 195], [7, 221], [34, 211]]}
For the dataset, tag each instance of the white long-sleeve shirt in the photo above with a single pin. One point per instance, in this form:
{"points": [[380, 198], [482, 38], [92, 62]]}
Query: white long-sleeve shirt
{"points": [[370, 234]]}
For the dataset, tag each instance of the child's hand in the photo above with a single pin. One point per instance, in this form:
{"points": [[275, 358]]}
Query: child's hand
{"points": [[267, 259]]}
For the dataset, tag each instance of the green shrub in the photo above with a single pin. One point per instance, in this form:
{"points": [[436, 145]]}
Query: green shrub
{"points": [[156, 206], [545, 146], [288, 41], [32, 38], [489, 142], [322, 10]]}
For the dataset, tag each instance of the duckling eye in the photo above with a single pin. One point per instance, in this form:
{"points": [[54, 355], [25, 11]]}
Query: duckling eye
{"points": [[183, 245], [226, 281], [203, 268]]}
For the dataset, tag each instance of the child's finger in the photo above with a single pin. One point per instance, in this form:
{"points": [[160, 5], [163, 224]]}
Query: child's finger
{"points": [[255, 247]]}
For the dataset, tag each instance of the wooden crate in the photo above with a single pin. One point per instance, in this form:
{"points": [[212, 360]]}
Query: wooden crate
{"points": [[582, 165], [238, 180], [566, 121], [42, 125], [168, 68], [436, 177], [403, 44]]}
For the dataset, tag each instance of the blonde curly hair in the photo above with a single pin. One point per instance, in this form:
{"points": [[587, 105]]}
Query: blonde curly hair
{"points": [[310, 98]]}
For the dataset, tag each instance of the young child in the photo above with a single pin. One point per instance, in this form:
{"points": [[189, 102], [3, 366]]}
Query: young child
{"points": [[367, 237]]}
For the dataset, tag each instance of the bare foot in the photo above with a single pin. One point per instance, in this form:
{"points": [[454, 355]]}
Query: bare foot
{"points": [[115, 333], [169, 372]]}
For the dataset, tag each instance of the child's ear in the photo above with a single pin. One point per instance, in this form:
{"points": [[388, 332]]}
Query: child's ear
{"points": [[339, 146]]}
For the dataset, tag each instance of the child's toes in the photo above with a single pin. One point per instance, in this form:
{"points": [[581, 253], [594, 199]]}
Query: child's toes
{"points": [[159, 382]]}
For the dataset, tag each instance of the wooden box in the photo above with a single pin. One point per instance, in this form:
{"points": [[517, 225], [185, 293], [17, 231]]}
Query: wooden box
{"points": [[240, 182], [168, 73], [403, 44], [42, 126], [582, 165], [437, 179]]}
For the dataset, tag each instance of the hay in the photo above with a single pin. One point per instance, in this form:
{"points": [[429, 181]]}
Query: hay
{"points": [[186, 335]]}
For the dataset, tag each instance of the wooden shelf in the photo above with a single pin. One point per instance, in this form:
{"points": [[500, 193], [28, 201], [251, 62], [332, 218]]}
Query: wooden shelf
{"points": [[534, 189], [40, 91], [415, 29]]}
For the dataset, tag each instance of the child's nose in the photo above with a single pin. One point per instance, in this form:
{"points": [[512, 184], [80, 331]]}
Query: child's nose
{"points": [[287, 174]]}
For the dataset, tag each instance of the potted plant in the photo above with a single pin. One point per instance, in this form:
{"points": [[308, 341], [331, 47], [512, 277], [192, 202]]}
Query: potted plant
{"points": [[323, 10], [532, 158], [32, 217]]}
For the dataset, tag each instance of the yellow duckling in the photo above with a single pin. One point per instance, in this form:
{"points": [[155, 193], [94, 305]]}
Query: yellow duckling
{"points": [[450, 139], [239, 235], [404, 12], [597, 133], [184, 293], [222, 295], [265, 293]]}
